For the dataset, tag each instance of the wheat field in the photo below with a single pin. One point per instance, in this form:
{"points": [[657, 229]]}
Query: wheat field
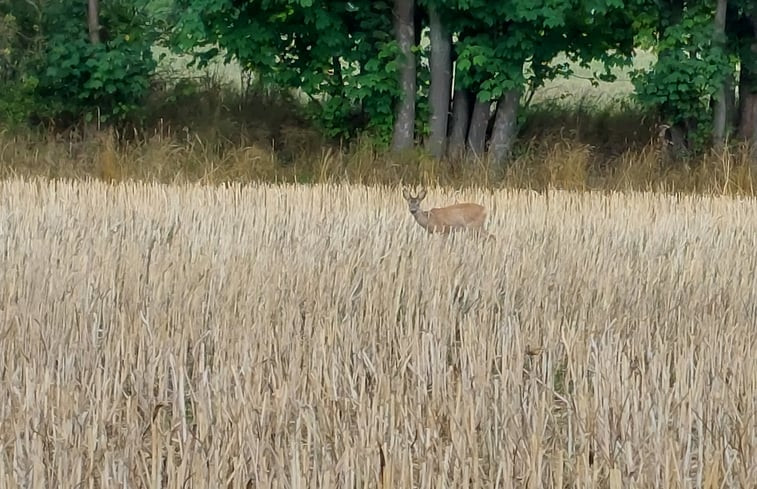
{"points": [[315, 336]]}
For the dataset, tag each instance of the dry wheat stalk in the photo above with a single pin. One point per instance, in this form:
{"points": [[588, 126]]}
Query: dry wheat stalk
{"points": [[313, 336]]}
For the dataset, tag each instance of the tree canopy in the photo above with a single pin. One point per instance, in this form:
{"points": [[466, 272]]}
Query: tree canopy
{"points": [[450, 74]]}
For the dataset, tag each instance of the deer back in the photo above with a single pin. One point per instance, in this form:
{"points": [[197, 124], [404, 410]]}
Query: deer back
{"points": [[457, 216]]}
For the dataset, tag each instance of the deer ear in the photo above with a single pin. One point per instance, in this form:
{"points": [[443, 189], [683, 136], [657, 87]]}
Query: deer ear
{"points": [[405, 194], [422, 194]]}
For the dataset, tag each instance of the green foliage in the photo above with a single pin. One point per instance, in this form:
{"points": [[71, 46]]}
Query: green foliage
{"points": [[17, 100], [422, 105], [106, 80], [370, 83], [496, 40], [343, 56], [18, 43], [691, 66], [53, 72], [340, 54]]}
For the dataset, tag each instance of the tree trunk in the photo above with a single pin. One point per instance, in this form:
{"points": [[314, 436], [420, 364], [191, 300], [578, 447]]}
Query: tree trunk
{"points": [[461, 114], [93, 21], [505, 127], [479, 122], [748, 116], [404, 28], [747, 106], [720, 115], [748, 90], [678, 131], [337, 67], [441, 83], [730, 102]]}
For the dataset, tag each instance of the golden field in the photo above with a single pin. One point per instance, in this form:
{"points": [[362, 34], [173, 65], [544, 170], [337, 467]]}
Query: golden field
{"points": [[254, 336]]}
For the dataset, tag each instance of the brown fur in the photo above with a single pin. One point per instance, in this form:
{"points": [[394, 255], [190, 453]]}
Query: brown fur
{"points": [[443, 220]]}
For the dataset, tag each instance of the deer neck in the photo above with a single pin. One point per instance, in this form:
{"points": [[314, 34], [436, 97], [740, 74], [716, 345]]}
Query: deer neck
{"points": [[421, 217]]}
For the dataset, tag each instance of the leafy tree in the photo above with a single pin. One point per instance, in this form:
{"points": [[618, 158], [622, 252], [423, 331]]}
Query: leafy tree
{"points": [[106, 79], [341, 54], [699, 46], [497, 40], [361, 67], [20, 45], [66, 71], [691, 68]]}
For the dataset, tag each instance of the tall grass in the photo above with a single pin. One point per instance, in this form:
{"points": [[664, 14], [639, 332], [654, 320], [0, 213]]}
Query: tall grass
{"points": [[205, 130], [545, 161], [315, 336]]}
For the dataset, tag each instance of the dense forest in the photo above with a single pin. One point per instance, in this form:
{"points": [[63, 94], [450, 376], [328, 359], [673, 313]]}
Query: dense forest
{"points": [[447, 77]]}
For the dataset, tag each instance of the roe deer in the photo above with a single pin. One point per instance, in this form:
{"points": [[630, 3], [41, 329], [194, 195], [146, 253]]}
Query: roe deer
{"points": [[442, 220]]}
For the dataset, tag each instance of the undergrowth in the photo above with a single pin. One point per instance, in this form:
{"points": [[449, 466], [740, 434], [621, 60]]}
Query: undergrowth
{"points": [[202, 131]]}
